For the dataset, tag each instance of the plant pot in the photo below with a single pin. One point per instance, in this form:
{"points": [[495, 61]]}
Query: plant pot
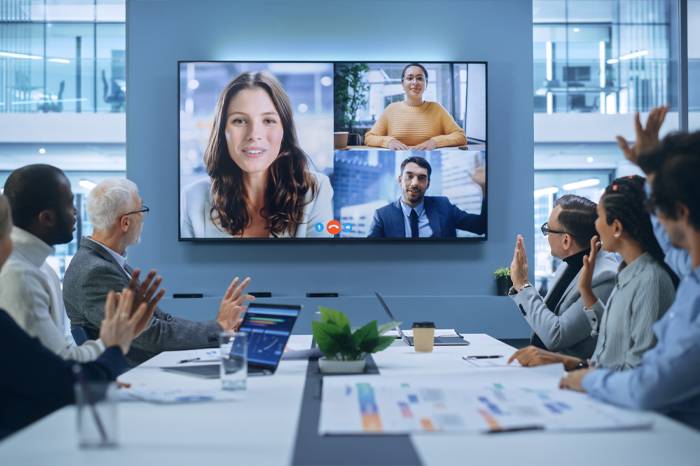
{"points": [[503, 284], [334, 366]]}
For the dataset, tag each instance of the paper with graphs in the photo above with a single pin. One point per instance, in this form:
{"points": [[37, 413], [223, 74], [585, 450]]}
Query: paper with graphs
{"points": [[493, 400]]}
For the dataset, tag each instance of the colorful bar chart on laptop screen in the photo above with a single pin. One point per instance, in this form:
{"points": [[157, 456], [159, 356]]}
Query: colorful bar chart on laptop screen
{"points": [[268, 331]]}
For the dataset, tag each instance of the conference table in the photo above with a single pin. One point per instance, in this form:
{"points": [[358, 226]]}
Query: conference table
{"points": [[275, 422]]}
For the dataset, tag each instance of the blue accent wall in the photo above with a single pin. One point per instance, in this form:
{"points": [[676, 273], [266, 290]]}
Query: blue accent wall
{"points": [[159, 33]]}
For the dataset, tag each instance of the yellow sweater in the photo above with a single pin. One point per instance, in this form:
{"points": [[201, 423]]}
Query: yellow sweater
{"points": [[415, 125]]}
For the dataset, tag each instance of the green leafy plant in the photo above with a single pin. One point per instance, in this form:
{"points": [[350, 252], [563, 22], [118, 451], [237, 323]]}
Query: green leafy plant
{"points": [[350, 91], [337, 341], [501, 272]]}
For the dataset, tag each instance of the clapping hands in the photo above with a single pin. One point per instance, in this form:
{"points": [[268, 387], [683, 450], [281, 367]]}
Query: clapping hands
{"points": [[585, 282], [231, 307], [518, 266]]}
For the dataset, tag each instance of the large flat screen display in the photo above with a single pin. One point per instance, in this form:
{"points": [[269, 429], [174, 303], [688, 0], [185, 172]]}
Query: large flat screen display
{"points": [[332, 151]]}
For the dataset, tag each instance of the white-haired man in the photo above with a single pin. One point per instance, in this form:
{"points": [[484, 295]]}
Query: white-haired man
{"points": [[117, 213]]}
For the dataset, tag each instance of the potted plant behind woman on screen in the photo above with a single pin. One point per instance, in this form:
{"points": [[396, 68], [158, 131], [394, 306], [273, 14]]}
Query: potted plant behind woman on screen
{"points": [[344, 351], [350, 94]]}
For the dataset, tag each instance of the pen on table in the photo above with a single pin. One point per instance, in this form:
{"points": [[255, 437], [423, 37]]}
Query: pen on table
{"points": [[182, 361], [484, 356], [515, 429]]}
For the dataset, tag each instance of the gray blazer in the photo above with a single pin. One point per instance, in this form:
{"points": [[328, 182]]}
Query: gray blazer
{"points": [[567, 330], [92, 273]]}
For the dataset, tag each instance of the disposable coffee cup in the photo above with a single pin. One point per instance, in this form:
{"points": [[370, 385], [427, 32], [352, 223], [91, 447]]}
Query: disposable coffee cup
{"points": [[340, 139], [423, 336]]}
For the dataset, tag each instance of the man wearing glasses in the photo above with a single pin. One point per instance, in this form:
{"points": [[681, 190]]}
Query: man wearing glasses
{"points": [[117, 213], [558, 320]]}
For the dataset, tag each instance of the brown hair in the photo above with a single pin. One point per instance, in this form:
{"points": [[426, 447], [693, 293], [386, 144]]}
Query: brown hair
{"points": [[5, 217], [289, 178]]}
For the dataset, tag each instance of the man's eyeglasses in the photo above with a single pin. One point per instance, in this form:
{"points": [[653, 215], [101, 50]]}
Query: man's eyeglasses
{"points": [[143, 209], [546, 230]]}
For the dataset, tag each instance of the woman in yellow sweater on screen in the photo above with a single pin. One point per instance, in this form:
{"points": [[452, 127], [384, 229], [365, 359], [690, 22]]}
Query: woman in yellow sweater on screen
{"points": [[415, 123]]}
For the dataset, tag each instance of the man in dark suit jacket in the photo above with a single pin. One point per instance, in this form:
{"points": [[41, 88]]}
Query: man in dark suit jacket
{"points": [[416, 215], [100, 266]]}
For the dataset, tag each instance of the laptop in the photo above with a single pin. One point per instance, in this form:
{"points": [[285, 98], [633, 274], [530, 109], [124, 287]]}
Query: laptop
{"points": [[268, 327], [443, 340]]}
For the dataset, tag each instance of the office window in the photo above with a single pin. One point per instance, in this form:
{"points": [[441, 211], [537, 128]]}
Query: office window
{"points": [[596, 63], [64, 62]]}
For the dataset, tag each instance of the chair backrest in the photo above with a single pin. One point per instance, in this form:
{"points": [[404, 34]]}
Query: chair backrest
{"points": [[79, 334]]}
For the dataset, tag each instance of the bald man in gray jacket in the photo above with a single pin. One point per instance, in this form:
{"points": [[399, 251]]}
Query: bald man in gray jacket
{"points": [[558, 320]]}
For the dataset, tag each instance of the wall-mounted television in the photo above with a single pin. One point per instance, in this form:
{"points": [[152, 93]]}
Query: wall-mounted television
{"points": [[352, 151]]}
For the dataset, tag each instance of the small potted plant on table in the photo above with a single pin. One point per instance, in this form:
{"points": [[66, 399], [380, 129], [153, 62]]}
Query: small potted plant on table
{"points": [[343, 350], [503, 281]]}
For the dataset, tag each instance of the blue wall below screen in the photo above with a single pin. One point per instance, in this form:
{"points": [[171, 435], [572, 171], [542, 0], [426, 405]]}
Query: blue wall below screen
{"points": [[451, 276]]}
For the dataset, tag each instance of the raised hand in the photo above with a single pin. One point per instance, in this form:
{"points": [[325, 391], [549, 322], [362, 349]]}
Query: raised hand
{"points": [[585, 281], [479, 177], [646, 137], [146, 291], [518, 266], [395, 144], [231, 306]]}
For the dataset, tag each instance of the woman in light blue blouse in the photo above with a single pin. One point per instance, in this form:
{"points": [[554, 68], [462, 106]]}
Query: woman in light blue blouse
{"points": [[644, 288]]}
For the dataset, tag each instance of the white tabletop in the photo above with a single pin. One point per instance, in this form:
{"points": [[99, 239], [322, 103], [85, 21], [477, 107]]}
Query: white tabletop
{"points": [[258, 426]]}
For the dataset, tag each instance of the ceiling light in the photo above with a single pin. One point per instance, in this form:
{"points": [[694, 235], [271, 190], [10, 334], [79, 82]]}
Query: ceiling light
{"points": [[548, 191], [589, 183], [87, 184]]}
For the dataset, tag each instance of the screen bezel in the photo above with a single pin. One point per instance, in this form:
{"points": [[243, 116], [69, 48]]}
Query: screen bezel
{"points": [[334, 240]]}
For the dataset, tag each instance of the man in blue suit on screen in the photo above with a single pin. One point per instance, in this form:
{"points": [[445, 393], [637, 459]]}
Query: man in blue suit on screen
{"points": [[416, 215]]}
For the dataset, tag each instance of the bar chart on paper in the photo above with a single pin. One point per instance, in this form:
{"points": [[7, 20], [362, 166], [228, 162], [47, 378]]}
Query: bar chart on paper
{"points": [[387, 405]]}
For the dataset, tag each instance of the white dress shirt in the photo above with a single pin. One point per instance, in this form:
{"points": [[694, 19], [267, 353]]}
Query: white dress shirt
{"points": [[30, 291], [424, 230]]}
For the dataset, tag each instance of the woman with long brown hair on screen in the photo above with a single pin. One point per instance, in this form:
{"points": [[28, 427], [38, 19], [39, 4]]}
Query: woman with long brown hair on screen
{"points": [[261, 185]]}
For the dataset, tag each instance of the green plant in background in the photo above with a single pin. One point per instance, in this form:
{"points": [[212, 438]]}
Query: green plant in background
{"points": [[501, 272], [350, 91], [337, 341]]}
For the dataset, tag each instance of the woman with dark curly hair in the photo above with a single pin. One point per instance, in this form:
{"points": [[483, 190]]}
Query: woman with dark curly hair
{"points": [[260, 184]]}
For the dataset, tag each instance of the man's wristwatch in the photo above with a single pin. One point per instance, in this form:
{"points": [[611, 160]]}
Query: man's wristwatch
{"points": [[513, 290], [583, 364]]}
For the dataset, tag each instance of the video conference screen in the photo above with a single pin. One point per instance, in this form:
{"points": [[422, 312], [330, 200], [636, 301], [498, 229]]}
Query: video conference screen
{"points": [[343, 150]]}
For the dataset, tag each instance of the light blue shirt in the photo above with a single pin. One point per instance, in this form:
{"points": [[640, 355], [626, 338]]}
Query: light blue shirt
{"points": [[121, 260], [424, 230], [668, 378]]}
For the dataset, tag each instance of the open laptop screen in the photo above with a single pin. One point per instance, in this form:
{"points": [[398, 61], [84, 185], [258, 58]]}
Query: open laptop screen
{"points": [[268, 327]]}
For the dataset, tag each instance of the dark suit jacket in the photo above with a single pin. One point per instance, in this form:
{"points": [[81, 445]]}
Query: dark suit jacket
{"points": [[36, 382], [444, 217], [92, 273]]}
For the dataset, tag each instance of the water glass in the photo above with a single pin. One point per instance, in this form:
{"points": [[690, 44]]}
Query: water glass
{"points": [[234, 360], [97, 419]]}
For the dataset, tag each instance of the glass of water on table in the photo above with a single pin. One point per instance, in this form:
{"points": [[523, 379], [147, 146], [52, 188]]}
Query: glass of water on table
{"points": [[233, 347]]}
